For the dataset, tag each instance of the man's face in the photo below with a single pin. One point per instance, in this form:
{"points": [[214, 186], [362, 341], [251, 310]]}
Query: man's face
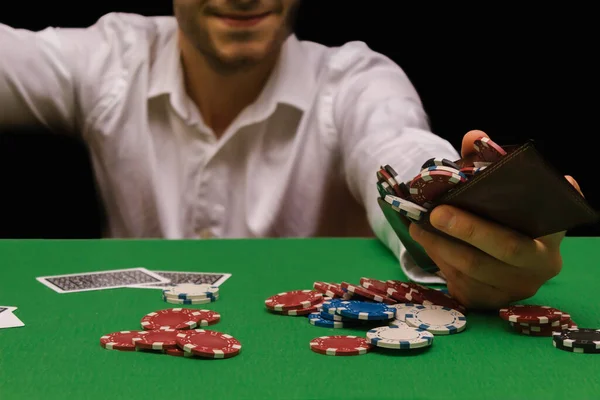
{"points": [[235, 34]]}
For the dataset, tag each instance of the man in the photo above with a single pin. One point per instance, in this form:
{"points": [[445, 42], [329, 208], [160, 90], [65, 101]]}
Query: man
{"points": [[219, 122]]}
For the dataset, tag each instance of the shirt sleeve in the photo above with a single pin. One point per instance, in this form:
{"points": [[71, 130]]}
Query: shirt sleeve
{"points": [[380, 120], [57, 77]]}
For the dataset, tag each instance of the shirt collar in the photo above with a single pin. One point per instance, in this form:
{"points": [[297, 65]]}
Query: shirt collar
{"points": [[291, 82]]}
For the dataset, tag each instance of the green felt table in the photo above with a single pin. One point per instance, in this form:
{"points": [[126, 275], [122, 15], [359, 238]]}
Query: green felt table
{"points": [[57, 355]]}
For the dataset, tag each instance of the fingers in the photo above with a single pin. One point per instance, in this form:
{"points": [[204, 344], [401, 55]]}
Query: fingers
{"points": [[467, 142], [469, 291], [499, 242], [474, 263], [573, 182]]}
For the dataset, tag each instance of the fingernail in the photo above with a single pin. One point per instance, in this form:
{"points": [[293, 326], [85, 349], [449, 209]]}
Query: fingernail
{"points": [[443, 219]]}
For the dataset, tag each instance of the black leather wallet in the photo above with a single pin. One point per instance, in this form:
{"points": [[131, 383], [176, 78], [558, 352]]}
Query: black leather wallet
{"points": [[521, 191]]}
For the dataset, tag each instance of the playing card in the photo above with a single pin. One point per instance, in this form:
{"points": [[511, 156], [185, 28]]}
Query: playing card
{"points": [[100, 280], [8, 319], [176, 277]]}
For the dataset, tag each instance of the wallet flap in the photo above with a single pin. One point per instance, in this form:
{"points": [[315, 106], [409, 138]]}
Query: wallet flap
{"points": [[523, 192]]}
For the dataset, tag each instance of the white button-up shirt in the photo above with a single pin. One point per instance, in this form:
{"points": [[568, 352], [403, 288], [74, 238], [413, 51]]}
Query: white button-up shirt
{"points": [[300, 161]]}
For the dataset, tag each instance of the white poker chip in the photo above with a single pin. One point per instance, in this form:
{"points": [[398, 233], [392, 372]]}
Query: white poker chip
{"points": [[405, 205], [399, 337], [191, 291], [401, 310], [436, 319]]}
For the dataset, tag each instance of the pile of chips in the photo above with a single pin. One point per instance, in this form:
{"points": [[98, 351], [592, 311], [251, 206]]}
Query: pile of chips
{"points": [[190, 293], [437, 176], [397, 315], [177, 332], [537, 320]]}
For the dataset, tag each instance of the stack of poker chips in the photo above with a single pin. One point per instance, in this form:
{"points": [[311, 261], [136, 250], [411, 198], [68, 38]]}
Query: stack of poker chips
{"points": [[190, 293], [536, 320], [437, 177]]}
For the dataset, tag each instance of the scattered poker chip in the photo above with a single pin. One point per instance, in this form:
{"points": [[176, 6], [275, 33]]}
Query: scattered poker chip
{"points": [[371, 295], [340, 345], [428, 186], [300, 311], [578, 340], [365, 311], [401, 310], [530, 314], [438, 320], [317, 319], [122, 341], [399, 337], [209, 344], [191, 291], [295, 299], [429, 296], [172, 318], [159, 339], [538, 330], [402, 292], [374, 285], [197, 301], [336, 317], [488, 150], [330, 306], [177, 352], [440, 162], [332, 290]]}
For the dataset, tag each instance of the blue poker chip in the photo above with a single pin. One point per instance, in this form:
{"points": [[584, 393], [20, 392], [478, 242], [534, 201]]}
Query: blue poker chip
{"points": [[336, 317], [317, 320], [366, 311], [330, 306]]}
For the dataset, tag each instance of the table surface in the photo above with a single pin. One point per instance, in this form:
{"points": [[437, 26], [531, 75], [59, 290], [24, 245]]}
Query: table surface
{"points": [[57, 353]]}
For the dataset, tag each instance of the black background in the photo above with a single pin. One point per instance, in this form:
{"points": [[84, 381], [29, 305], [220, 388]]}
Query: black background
{"points": [[517, 74]]}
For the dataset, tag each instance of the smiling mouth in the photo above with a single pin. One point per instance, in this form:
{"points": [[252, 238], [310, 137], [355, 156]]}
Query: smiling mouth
{"points": [[242, 20], [243, 17]]}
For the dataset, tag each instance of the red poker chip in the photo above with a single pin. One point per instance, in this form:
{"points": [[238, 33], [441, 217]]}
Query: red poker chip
{"points": [[340, 345], [122, 341], [428, 186], [332, 290], [302, 311], [159, 339], [538, 330], [209, 344], [403, 293], [374, 285], [488, 150], [292, 300], [371, 295], [429, 296], [177, 352], [174, 318], [530, 314]]}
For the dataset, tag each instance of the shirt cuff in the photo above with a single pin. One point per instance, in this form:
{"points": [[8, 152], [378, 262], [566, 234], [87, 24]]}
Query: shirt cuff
{"points": [[416, 273]]}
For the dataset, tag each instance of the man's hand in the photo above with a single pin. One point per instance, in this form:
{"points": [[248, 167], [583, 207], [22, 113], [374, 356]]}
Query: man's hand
{"points": [[497, 266]]}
